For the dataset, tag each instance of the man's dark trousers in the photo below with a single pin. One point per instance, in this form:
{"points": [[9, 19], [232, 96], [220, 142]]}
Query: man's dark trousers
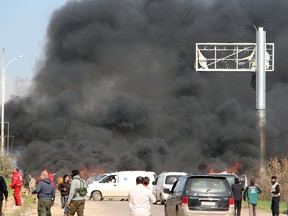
{"points": [[275, 206]]}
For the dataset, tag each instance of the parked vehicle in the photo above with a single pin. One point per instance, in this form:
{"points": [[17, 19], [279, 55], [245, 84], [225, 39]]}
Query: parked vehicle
{"points": [[200, 195], [231, 178], [117, 184], [91, 179], [163, 185]]}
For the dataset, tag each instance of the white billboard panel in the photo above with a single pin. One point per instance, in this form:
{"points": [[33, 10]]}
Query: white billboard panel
{"points": [[229, 57]]}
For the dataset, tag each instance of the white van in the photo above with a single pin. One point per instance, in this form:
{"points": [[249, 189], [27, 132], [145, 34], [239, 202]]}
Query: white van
{"points": [[163, 185], [117, 184]]}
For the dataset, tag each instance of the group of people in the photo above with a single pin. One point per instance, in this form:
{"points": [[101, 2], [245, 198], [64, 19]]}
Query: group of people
{"points": [[140, 197], [72, 192], [251, 193], [72, 199]]}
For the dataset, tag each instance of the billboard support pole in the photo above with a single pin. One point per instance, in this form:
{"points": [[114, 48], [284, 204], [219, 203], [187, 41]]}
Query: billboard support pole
{"points": [[261, 93]]}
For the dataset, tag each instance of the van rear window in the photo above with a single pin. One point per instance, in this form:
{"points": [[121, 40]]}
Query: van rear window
{"points": [[205, 186], [170, 179]]}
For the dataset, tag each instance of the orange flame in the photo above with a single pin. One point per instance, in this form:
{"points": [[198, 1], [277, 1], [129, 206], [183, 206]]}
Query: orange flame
{"points": [[210, 169], [232, 169]]}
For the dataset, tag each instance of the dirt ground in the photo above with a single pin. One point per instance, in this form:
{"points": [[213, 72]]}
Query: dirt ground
{"points": [[103, 208]]}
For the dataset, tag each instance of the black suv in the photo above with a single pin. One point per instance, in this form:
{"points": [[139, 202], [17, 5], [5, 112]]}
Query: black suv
{"points": [[200, 195]]}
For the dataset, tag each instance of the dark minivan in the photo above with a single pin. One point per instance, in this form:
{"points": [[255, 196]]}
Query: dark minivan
{"points": [[200, 195]]}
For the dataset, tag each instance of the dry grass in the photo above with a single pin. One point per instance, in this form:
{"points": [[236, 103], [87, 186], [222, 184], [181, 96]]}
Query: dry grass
{"points": [[274, 167]]}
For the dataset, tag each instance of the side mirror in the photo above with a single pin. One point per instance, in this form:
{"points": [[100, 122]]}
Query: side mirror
{"points": [[166, 190], [154, 183]]}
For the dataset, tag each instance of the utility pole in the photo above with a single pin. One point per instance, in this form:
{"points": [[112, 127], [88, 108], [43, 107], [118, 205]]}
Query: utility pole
{"points": [[3, 105], [2, 113]]}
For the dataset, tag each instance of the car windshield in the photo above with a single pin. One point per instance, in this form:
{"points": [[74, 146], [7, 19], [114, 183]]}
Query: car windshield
{"points": [[99, 177], [171, 179], [206, 186]]}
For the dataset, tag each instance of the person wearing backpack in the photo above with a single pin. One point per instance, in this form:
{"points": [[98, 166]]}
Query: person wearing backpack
{"points": [[76, 198], [251, 193]]}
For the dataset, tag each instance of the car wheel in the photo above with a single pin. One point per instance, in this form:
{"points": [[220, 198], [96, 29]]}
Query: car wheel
{"points": [[161, 200], [165, 210], [97, 196]]}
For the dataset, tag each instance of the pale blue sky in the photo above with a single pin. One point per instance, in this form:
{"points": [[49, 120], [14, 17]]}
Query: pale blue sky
{"points": [[23, 25]]}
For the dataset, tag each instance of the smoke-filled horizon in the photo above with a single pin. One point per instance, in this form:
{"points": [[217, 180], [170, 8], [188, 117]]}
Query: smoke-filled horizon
{"points": [[117, 88]]}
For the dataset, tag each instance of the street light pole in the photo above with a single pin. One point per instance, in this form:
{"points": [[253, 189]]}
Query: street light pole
{"points": [[3, 104]]}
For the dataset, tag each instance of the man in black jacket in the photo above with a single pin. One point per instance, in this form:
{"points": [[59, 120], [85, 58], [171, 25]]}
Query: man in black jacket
{"points": [[3, 191], [237, 189]]}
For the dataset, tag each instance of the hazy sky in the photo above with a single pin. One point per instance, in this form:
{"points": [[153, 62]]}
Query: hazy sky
{"points": [[22, 32]]}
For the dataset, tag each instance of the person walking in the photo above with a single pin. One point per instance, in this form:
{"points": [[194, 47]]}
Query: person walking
{"points": [[275, 193], [46, 194], [64, 188], [32, 184], [16, 185], [3, 191], [251, 193], [237, 189], [140, 199], [76, 199]]}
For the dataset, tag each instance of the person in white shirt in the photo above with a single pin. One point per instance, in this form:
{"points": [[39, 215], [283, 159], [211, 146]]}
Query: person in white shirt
{"points": [[140, 199]]}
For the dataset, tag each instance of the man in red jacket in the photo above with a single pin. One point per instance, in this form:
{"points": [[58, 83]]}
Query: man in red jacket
{"points": [[16, 185]]}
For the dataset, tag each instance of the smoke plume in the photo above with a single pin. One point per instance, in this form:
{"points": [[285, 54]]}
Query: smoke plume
{"points": [[117, 88]]}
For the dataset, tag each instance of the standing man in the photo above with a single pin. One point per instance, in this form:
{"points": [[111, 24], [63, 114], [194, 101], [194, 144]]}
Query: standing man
{"points": [[76, 199], [16, 185], [3, 191], [46, 194], [251, 193], [275, 192], [140, 199], [237, 189]]}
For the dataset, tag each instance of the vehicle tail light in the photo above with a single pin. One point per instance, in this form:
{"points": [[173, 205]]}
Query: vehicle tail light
{"points": [[231, 203], [185, 200]]}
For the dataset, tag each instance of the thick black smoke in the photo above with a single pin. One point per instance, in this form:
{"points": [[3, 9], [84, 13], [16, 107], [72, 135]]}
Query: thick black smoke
{"points": [[117, 88]]}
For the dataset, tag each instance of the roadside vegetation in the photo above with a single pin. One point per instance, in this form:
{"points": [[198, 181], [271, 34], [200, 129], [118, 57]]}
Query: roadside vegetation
{"points": [[273, 167], [6, 167], [27, 204]]}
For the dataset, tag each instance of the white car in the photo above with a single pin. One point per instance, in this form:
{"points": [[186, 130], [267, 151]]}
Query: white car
{"points": [[117, 184], [163, 185]]}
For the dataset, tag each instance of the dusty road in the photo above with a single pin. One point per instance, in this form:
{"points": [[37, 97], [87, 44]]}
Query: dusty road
{"points": [[113, 208], [121, 208]]}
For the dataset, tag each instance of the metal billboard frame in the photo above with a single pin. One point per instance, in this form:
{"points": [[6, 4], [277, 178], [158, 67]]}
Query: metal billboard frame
{"points": [[231, 57]]}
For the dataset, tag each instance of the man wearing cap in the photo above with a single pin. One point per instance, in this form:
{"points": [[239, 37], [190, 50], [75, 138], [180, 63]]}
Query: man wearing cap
{"points": [[140, 199], [76, 202]]}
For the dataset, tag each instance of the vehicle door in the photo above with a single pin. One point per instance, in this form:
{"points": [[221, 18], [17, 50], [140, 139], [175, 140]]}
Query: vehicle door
{"points": [[108, 185], [159, 186], [125, 182], [175, 196], [154, 191]]}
